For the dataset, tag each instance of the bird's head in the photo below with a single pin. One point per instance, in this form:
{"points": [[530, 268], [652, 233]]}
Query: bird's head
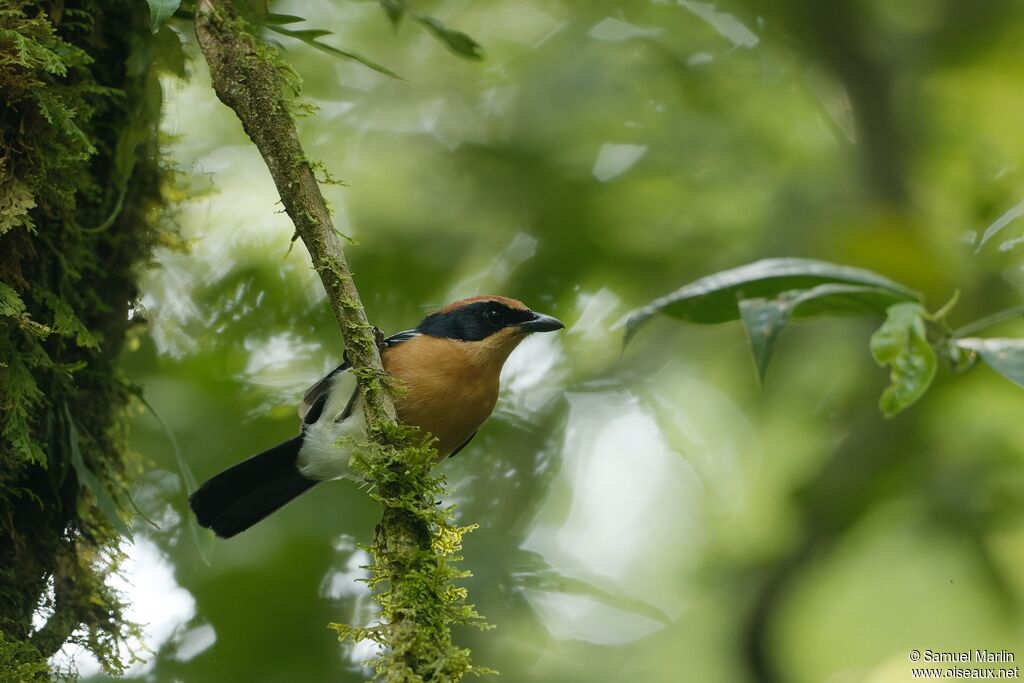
{"points": [[493, 324]]}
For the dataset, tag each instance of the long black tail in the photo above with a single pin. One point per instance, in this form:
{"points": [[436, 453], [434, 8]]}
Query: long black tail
{"points": [[242, 495]]}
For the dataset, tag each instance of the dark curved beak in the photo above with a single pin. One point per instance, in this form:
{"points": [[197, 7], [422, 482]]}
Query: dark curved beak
{"points": [[541, 323]]}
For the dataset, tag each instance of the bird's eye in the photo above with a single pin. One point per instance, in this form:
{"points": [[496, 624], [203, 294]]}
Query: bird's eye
{"points": [[492, 316]]}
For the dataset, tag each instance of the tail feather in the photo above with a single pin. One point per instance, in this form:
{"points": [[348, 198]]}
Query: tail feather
{"points": [[242, 495]]}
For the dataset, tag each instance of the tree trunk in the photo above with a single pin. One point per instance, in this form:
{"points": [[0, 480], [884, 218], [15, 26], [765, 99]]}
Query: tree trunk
{"points": [[79, 189]]}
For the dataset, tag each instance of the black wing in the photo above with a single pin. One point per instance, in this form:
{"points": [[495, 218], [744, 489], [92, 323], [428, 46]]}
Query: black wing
{"points": [[315, 398]]}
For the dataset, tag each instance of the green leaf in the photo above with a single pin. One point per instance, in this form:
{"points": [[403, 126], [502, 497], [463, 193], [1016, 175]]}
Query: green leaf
{"points": [[281, 19], [836, 299], [765, 318], [15, 201], [395, 9], [902, 343], [168, 54], [160, 11], [714, 299], [21, 398], [457, 41], [309, 37], [1005, 356], [1010, 216], [11, 304], [203, 538], [66, 323], [86, 477]]}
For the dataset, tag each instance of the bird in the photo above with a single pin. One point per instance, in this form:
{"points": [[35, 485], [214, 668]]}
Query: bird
{"points": [[447, 369]]}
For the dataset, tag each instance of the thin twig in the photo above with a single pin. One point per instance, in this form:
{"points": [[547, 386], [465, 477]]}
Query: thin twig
{"points": [[988, 321]]}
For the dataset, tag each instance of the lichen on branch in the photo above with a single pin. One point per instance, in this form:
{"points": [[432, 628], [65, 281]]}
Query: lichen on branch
{"points": [[416, 540]]}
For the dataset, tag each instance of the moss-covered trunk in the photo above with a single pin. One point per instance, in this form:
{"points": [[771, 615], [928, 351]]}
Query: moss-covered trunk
{"points": [[79, 189]]}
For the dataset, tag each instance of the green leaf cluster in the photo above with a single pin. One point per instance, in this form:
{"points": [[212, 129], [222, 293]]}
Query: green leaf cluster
{"points": [[767, 294], [283, 24]]}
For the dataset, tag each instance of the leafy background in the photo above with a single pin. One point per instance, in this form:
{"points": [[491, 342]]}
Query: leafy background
{"points": [[645, 513]]}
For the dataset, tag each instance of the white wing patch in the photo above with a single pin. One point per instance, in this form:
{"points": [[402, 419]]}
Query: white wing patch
{"points": [[321, 457], [313, 393]]}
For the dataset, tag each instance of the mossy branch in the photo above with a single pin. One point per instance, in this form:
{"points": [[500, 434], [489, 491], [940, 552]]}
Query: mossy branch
{"points": [[247, 78], [416, 539]]}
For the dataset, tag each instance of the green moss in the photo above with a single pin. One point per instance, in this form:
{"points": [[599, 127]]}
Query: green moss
{"points": [[414, 570], [20, 662], [79, 189]]}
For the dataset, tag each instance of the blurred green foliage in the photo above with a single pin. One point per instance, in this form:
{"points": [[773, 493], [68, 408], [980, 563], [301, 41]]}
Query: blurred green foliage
{"points": [[649, 514]]}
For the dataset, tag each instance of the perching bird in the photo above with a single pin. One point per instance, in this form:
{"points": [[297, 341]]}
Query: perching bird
{"points": [[448, 370]]}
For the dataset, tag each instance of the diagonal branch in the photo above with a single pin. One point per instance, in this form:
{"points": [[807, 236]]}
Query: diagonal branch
{"points": [[247, 80]]}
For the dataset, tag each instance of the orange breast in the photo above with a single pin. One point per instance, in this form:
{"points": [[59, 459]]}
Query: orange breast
{"points": [[447, 390]]}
